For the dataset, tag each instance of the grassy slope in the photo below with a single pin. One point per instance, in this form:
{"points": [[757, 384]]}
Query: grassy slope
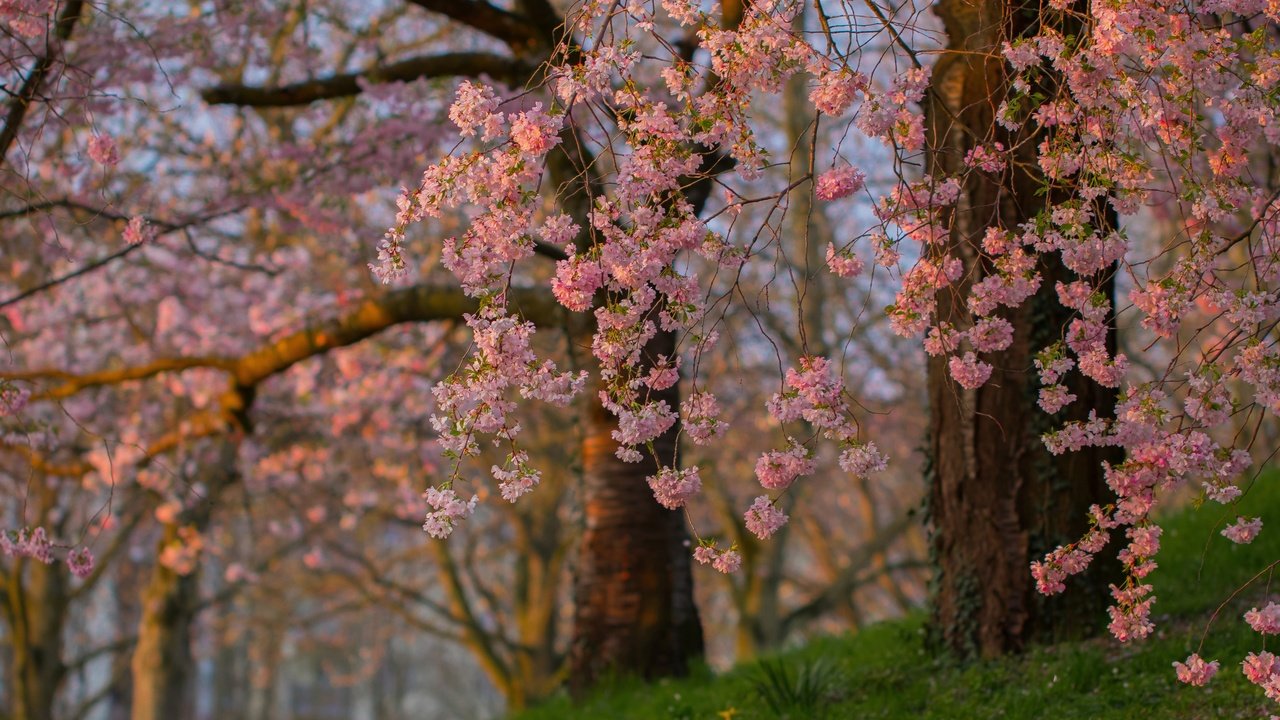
{"points": [[884, 672]]}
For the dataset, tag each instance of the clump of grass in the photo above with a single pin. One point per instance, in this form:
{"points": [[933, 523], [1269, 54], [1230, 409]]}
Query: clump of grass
{"points": [[806, 693]]}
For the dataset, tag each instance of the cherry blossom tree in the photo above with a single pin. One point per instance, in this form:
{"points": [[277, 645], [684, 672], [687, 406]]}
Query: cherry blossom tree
{"points": [[1037, 131], [606, 182]]}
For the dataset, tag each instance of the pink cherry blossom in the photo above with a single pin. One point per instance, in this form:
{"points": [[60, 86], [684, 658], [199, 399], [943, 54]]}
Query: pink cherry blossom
{"points": [[764, 518], [839, 183], [862, 459], [836, 91], [844, 263], [1243, 531], [447, 510], [673, 488], [1266, 620], [138, 231], [968, 371], [103, 150], [777, 470], [1195, 671], [726, 561]]}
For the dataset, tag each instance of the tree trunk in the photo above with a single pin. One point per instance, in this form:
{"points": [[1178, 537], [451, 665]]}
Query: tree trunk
{"points": [[998, 499], [162, 662], [634, 611], [37, 612]]}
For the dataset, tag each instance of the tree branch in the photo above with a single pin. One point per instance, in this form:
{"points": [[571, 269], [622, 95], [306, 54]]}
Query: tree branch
{"points": [[164, 228], [459, 64], [72, 383], [513, 29], [416, 303], [21, 102]]}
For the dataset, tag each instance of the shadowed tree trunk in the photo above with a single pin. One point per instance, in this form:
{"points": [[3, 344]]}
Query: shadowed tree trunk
{"points": [[35, 601], [37, 613], [634, 611], [998, 499], [162, 664]]}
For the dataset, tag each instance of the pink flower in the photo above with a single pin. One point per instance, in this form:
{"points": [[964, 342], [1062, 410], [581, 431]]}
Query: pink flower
{"points": [[813, 393], [1055, 397], [699, 417], [517, 478], [535, 132], [673, 488], [663, 374], [1132, 622], [138, 231], [1144, 541], [1195, 671], [559, 230], [862, 460], [446, 510], [836, 91], [636, 427], [1106, 372], [991, 334], [1243, 531], [472, 107], [27, 543], [1266, 620], [1224, 493], [763, 518], [80, 562], [839, 183], [102, 148], [968, 371], [986, 159], [777, 470], [1261, 667], [726, 561], [1048, 577], [576, 281], [844, 263]]}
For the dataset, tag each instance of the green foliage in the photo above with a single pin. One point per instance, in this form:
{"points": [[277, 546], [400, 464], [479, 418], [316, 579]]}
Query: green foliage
{"points": [[885, 671], [806, 694]]}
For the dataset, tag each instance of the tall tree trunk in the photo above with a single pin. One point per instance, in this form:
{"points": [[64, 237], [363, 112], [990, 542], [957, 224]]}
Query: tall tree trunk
{"points": [[36, 606], [634, 611], [537, 590], [998, 499], [162, 663]]}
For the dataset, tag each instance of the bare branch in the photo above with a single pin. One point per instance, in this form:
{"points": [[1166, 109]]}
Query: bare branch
{"points": [[459, 64], [21, 102], [508, 27]]}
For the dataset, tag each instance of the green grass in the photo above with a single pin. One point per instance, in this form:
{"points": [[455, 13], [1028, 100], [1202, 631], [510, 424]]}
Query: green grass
{"points": [[885, 672]]}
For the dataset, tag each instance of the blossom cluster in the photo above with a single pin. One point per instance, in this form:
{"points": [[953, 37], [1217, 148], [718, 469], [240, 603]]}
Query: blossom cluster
{"points": [[620, 260], [34, 543]]}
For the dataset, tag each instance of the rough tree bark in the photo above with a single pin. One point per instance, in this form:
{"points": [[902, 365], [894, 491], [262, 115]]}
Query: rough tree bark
{"points": [[634, 611], [998, 499]]}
